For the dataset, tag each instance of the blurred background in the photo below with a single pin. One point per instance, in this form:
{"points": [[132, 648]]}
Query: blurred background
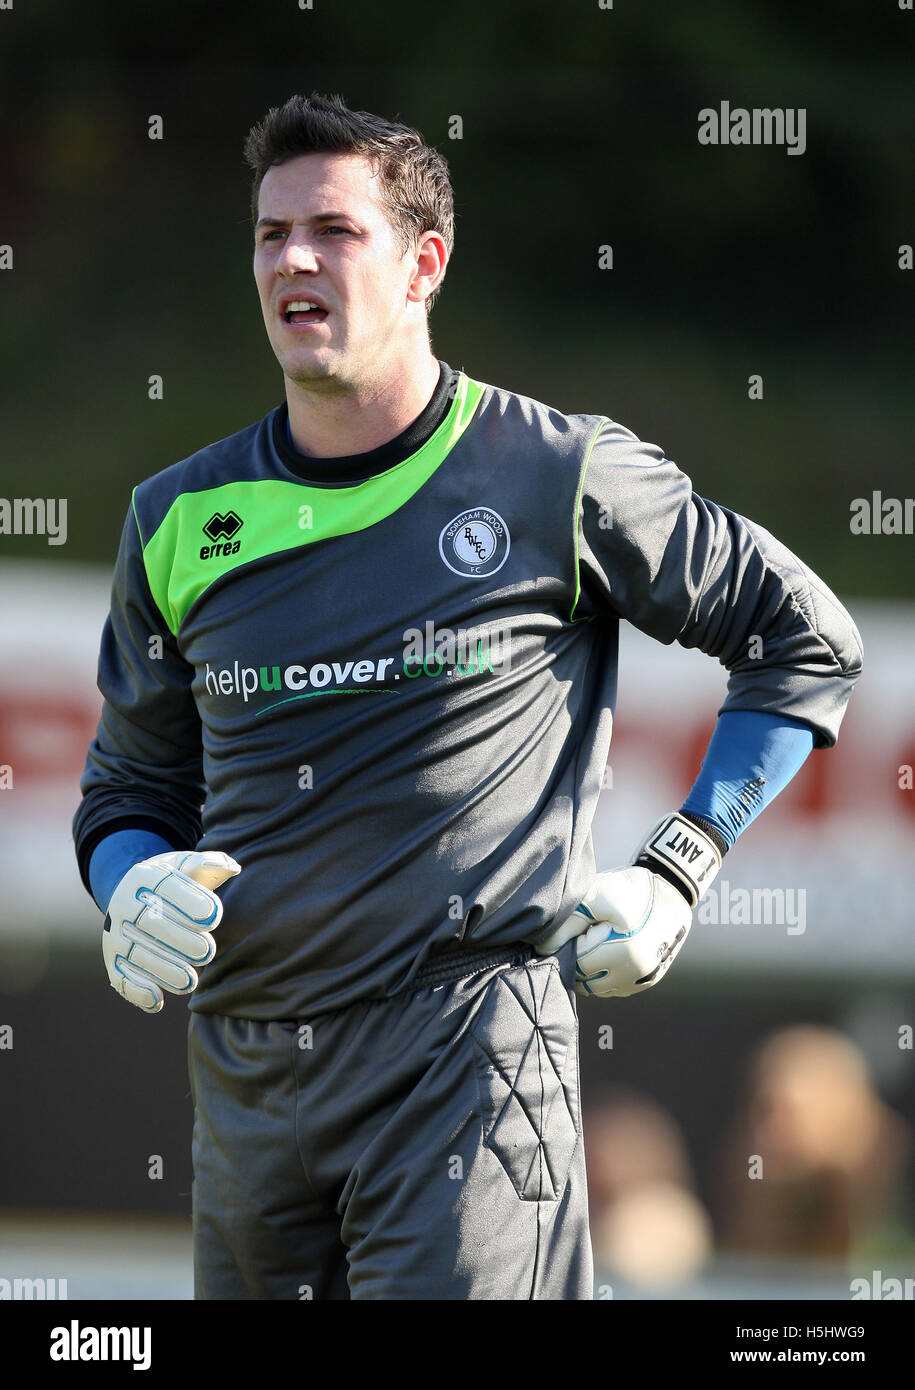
{"points": [[750, 1124]]}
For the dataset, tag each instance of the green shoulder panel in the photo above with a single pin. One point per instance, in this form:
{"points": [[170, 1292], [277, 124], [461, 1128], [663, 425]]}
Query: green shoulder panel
{"points": [[200, 539], [604, 420]]}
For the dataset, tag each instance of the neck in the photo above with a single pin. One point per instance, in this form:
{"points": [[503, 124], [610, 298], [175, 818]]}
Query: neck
{"points": [[356, 417]]}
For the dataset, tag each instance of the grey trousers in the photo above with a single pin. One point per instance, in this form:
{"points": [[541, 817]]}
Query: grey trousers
{"points": [[425, 1146]]}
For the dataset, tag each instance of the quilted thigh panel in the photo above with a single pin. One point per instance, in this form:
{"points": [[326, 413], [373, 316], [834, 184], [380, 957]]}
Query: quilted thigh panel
{"points": [[526, 1053]]}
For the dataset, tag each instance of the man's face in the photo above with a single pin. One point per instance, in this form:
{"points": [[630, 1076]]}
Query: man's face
{"points": [[322, 235]]}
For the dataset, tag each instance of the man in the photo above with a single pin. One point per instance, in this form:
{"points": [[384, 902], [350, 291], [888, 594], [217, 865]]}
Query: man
{"points": [[376, 635]]}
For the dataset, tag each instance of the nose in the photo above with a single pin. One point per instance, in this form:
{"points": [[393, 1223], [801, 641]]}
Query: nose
{"points": [[297, 256]]}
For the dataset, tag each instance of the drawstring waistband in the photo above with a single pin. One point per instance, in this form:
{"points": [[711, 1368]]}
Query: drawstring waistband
{"points": [[454, 965]]}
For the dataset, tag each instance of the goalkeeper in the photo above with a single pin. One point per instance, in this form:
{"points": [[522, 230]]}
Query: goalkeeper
{"points": [[359, 676]]}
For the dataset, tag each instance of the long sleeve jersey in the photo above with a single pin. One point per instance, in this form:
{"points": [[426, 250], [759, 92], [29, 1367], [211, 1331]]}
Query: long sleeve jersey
{"points": [[391, 700]]}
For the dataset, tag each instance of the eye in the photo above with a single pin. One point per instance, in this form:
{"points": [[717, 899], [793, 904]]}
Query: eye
{"points": [[277, 231], [335, 229]]}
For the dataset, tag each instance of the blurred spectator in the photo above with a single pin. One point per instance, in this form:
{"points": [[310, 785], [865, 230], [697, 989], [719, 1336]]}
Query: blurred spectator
{"points": [[647, 1225], [829, 1153]]}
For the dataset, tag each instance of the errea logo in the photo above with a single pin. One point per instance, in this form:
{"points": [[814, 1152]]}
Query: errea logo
{"points": [[226, 524]]}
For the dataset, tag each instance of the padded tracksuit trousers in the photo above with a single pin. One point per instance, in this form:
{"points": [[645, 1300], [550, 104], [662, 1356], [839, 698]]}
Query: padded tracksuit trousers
{"points": [[424, 1146]]}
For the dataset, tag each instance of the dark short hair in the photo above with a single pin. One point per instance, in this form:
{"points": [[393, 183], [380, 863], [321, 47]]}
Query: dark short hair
{"points": [[414, 182]]}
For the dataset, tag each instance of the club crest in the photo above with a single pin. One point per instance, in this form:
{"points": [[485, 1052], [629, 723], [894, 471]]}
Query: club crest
{"points": [[475, 543]]}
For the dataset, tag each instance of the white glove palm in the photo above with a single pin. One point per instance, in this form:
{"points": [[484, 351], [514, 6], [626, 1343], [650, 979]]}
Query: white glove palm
{"points": [[639, 920], [159, 922]]}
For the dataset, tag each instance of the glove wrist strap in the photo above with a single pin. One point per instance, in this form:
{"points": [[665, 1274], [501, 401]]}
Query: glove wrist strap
{"points": [[681, 848]]}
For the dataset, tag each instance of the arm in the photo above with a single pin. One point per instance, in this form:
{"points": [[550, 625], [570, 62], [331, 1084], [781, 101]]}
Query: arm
{"points": [[681, 568], [684, 569], [115, 854], [144, 767], [750, 759], [142, 792]]}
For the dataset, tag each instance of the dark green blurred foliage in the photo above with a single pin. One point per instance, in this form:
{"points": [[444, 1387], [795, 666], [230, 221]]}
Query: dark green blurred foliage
{"points": [[132, 256]]}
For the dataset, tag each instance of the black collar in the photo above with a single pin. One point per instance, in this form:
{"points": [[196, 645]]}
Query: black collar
{"points": [[355, 468]]}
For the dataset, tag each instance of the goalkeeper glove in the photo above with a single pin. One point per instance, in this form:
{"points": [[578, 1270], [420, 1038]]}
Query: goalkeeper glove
{"points": [[159, 922], [632, 922]]}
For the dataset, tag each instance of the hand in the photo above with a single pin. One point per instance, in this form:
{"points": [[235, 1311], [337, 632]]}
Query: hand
{"points": [[632, 922], [159, 922], [638, 923]]}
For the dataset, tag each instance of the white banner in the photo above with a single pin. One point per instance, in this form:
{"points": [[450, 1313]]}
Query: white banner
{"points": [[821, 883]]}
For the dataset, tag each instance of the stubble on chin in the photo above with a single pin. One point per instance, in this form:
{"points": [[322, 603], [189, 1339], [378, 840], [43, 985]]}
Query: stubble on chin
{"points": [[311, 374], [314, 371]]}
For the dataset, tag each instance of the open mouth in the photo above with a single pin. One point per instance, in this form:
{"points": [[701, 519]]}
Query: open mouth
{"points": [[302, 312]]}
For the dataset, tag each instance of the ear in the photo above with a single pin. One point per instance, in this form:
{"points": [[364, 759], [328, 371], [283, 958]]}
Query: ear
{"points": [[430, 257]]}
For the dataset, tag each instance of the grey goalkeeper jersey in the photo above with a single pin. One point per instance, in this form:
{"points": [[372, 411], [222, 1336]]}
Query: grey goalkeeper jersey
{"points": [[391, 701]]}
